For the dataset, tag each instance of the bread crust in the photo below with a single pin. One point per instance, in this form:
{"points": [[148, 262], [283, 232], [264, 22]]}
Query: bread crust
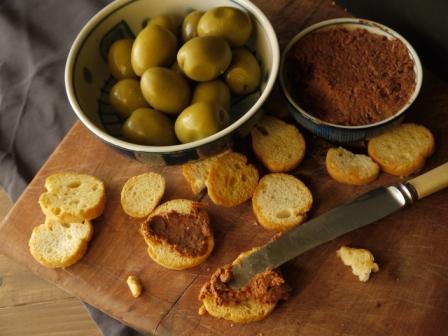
{"points": [[231, 180], [196, 172], [403, 150], [245, 312], [273, 208], [67, 195], [278, 145], [346, 167], [142, 193], [165, 254], [39, 245]]}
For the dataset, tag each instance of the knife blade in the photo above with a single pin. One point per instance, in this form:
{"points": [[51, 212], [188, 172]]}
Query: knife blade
{"points": [[363, 210]]}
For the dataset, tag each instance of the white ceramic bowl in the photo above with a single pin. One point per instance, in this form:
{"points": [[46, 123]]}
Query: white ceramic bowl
{"points": [[88, 79], [342, 133]]}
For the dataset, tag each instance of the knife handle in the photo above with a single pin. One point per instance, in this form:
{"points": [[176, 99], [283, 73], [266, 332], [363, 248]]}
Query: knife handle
{"points": [[430, 182]]}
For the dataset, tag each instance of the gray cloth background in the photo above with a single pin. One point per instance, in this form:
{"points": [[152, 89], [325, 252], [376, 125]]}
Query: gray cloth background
{"points": [[35, 37]]}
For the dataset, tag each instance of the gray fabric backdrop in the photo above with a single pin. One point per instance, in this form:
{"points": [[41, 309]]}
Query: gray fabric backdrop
{"points": [[35, 37]]}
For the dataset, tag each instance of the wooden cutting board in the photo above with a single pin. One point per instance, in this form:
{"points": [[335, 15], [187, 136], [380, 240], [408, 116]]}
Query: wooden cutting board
{"points": [[406, 297]]}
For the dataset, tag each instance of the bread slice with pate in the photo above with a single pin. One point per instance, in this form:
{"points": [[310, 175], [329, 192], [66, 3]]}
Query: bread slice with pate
{"points": [[251, 303], [178, 234]]}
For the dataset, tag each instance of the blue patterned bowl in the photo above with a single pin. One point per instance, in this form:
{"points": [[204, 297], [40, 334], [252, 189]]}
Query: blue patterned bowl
{"points": [[88, 79], [341, 133]]}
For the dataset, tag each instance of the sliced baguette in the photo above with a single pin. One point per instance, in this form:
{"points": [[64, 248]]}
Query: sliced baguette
{"points": [[346, 167], [73, 197], [403, 150], [55, 244], [278, 145], [250, 310], [141, 194], [164, 253], [231, 180], [281, 201], [196, 172]]}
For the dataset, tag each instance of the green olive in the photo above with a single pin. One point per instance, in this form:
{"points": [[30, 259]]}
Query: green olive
{"points": [[119, 59], [154, 46], [228, 22], [126, 96], [165, 90], [204, 58], [167, 21], [200, 120], [215, 91], [190, 25], [243, 75], [147, 126], [176, 68]]}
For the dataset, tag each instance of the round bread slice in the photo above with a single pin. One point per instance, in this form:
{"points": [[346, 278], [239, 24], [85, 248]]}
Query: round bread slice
{"points": [[278, 145], [349, 168], [141, 194], [55, 244], [196, 172], [231, 181], [281, 201], [195, 230], [403, 150], [73, 197], [248, 310]]}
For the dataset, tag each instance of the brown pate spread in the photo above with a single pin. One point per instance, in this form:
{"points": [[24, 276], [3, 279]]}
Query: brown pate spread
{"points": [[188, 234], [350, 77], [267, 287]]}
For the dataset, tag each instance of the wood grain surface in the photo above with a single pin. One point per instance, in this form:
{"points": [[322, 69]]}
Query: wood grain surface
{"points": [[406, 297]]}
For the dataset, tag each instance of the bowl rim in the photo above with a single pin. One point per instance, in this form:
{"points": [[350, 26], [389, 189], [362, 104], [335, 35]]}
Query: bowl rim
{"points": [[85, 32], [362, 23]]}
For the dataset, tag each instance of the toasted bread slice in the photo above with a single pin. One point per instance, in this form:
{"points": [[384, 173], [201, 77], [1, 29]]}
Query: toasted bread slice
{"points": [[360, 260], [141, 194], [73, 197], [163, 251], [278, 145], [248, 310], [231, 181], [196, 172], [349, 168], [281, 201], [55, 244], [403, 150]]}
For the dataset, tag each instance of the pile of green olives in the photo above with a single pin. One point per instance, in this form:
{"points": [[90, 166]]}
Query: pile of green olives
{"points": [[168, 93]]}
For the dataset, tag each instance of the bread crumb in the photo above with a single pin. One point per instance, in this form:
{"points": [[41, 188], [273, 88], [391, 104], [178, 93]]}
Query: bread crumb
{"points": [[135, 285], [360, 260], [202, 310], [231, 325]]}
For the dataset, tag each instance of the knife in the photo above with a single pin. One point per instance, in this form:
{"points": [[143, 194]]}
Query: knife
{"points": [[363, 210]]}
